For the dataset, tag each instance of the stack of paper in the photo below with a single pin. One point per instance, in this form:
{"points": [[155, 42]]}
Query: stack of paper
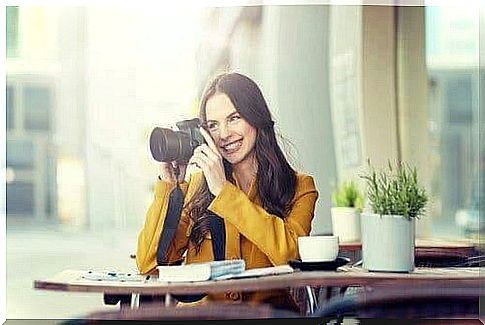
{"points": [[113, 276]]}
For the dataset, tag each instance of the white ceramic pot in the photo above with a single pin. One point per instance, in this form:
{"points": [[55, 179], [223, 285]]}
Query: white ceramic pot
{"points": [[346, 224], [387, 242]]}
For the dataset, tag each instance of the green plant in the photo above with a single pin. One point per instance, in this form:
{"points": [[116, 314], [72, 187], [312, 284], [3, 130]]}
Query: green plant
{"points": [[348, 195], [395, 191]]}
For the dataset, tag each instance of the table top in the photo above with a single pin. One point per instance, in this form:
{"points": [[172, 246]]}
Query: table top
{"points": [[71, 280]]}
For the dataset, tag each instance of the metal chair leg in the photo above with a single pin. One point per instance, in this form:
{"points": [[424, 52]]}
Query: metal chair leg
{"points": [[312, 299], [168, 300], [135, 300]]}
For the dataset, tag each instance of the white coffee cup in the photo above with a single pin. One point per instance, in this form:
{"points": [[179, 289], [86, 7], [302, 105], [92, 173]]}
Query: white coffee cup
{"points": [[318, 248]]}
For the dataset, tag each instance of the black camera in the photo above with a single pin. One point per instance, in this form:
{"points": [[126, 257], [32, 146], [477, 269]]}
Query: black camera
{"points": [[167, 145]]}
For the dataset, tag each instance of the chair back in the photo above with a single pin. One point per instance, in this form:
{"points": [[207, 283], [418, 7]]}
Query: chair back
{"points": [[406, 302]]}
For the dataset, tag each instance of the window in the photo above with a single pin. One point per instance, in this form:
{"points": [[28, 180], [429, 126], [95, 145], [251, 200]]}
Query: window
{"points": [[20, 154], [451, 57], [12, 21], [31, 185], [10, 108], [20, 198], [37, 108], [459, 98]]}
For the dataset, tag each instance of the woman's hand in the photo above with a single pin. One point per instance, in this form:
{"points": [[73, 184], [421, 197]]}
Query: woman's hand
{"points": [[208, 158], [166, 171]]}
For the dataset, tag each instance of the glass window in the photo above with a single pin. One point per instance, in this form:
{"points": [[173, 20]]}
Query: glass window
{"points": [[20, 198], [12, 18], [50, 185], [451, 58], [37, 107], [20, 154], [459, 97], [10, 108]]}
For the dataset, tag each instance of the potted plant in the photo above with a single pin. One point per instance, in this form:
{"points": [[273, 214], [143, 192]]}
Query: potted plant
{"points": [[396, 199], [347, 202]]}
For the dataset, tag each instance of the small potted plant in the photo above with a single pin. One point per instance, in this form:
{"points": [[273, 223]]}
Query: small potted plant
{"points": [[396, 199], [347, 205]]}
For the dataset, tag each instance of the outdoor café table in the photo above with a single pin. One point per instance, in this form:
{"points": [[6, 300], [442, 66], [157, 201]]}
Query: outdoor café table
{"points": [[346, 276]]}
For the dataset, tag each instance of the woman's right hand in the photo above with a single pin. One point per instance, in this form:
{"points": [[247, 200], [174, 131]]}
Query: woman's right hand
{"points": [[166, 171]]}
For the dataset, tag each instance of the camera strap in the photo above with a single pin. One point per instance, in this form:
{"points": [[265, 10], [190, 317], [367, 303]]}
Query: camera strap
{"points": [[218, 234], [175, 205], [172, 219], [174, 211]]}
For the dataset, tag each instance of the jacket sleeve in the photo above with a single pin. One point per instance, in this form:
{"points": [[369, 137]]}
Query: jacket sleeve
{"points": [[146, 253], [275, 237]]}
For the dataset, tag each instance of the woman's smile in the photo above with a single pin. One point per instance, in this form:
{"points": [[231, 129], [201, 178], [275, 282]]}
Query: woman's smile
{"points": [[232, 147]]}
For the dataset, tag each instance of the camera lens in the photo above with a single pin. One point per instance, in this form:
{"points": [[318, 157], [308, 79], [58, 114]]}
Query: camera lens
{"points": [[167, 145]]}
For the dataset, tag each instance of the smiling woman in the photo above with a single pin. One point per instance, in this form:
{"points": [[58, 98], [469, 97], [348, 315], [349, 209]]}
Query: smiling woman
{"points": [[246, 182], [232, 134]]}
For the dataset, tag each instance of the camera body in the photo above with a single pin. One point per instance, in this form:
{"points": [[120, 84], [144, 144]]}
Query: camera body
{"points": [[191, 128], [167, 145]]}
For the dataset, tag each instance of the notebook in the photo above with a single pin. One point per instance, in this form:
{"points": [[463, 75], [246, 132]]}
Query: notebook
{"points": [[263, 271]]}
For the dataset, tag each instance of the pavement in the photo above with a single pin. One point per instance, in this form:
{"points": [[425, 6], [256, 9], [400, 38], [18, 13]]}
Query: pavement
{"points": [[39, 253]]}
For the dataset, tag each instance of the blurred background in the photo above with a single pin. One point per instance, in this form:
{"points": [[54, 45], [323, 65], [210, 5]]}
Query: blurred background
{"points": [[85, 86]]}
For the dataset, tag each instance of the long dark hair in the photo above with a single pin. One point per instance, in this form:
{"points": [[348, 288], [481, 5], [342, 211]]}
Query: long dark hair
{"points": [[275, 178]]}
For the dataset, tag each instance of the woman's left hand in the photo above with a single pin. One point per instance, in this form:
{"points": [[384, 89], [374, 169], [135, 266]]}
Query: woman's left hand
{"points": [[208, 158]]}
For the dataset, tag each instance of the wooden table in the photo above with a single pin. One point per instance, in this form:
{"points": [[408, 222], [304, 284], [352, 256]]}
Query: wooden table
{"points": [[344, 277], [70, 280]]}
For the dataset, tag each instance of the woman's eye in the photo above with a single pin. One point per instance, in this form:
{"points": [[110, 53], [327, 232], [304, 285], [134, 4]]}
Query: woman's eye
{"points": [[211, 126], [234, 118]]}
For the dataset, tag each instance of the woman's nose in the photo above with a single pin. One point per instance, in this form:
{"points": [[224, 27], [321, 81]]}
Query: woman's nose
{"points": [[224, 131]]}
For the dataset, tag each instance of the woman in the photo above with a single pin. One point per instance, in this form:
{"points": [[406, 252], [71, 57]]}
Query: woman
{"points": [[246, 180]]}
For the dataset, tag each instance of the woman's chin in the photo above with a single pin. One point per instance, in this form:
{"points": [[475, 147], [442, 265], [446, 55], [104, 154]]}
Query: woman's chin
{"points": [[233, 158]]}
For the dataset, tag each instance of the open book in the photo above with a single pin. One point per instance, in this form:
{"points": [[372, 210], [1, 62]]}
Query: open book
{"points": [[200, 271]]}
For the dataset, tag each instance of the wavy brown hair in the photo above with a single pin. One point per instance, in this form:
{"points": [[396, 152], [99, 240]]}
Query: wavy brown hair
{"points": [[275, 178]]}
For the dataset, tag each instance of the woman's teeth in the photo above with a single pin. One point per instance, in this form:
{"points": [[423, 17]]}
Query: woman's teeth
{"points": [[233, 146]]}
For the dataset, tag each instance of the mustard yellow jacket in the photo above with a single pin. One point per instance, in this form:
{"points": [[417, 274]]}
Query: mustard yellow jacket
{"points": [[252, 234]]}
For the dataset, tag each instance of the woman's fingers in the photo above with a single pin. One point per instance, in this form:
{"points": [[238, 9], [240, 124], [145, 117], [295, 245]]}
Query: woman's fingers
{"points": [[201, 161], [206, 150], [212, 159], [207, 158], [209, 140]]}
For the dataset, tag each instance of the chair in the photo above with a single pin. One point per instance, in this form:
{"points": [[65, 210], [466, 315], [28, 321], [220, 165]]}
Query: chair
{"points": [[438, 257], [406, 302], [208, 311]]}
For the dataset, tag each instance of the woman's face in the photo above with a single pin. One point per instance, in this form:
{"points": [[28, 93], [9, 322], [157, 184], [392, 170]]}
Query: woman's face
{"points": [[233, 135]]}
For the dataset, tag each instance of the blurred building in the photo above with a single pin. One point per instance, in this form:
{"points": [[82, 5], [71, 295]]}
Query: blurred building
{"points": [[348, 83], [33, 71], [285, 49], [84, 88], [345, 83], [453, 67]]}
